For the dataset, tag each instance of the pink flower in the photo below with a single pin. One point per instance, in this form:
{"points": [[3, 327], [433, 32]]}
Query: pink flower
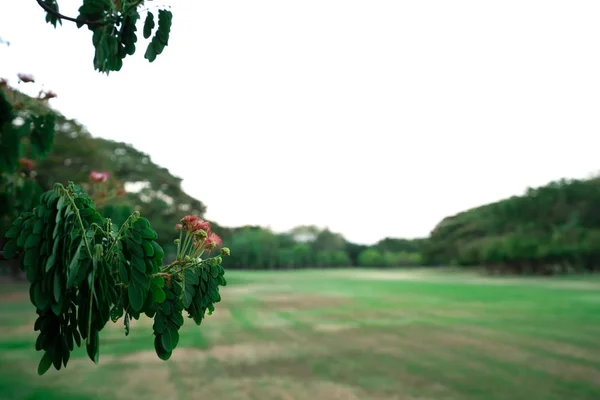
{"points": [[99, 176], [213, 240], [178, 227], [202, 224], [191, 223]]}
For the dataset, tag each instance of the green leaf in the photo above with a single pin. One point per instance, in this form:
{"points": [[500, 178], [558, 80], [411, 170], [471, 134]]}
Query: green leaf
{"points": [[148, 249], [149, 234], [141, 224], [160, 350], [214, 295], [38, 227], [138, 263], [148, 25], [32, 241], [86, 212], [41, 299], [135, 249], [10, 249], [177, 319], [66, 354], [160, 323], [127, 34], [50, 262], [57, 285], [116, 312], [77, 337], [139, 278], [136, 296], [93, 346], [13, 232], [167, 338], [159, 253], [74, 265], [165, 307], [45, 363], [123, 272], [158, 294], [158, 281]]}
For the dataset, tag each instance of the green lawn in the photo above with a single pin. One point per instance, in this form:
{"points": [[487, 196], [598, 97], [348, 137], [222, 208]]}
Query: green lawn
{"points": [[341, 334]]}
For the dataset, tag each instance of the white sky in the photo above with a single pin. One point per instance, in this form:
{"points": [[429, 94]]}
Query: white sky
{"points": [[375, 118]]}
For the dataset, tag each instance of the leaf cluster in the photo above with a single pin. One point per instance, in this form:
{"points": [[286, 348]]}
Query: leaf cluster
{"points": [[84, 271], [114, 27]]}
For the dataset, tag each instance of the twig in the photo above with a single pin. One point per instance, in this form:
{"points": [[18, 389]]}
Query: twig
{"points": [[49, 10]]}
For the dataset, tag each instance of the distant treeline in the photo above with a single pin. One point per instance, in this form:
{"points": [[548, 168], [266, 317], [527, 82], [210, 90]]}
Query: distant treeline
{"points": [[551, 229], [308, 246]]}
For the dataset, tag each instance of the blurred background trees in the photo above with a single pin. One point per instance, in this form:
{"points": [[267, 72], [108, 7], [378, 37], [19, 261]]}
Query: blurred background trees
{"points": [[551, 229]]}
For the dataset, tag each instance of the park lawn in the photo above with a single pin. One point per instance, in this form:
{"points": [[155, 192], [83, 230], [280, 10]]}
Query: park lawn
{"points": [[339, 334]]}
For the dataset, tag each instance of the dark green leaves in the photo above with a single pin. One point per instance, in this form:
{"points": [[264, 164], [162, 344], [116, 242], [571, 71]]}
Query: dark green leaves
{"points": [[114, 29], [140, 259], [161, 36], [45, 363], [93, 11], [148, 25], [93, 347], [106, 42], [211, 276], [137, 295], [127, 34], [167, 322], [50, 17], [10, 249], [83, 273]]}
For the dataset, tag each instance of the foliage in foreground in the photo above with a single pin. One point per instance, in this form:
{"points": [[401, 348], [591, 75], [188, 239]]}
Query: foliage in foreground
{"points": [[114, 24], [84, 271]]}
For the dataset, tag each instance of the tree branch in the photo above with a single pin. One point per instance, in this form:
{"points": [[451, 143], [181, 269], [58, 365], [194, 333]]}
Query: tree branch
{"points": [[49, 10]]}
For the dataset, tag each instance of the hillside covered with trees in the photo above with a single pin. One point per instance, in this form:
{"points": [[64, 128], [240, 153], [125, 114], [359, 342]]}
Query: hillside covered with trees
{"points": [[551, 229]]}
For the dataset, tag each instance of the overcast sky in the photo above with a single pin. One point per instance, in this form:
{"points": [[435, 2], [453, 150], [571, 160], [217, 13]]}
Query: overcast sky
{"points": [[374, 118]]}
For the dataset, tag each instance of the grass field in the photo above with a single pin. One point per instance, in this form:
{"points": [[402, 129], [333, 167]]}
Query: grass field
{"points": [[342, 334]]}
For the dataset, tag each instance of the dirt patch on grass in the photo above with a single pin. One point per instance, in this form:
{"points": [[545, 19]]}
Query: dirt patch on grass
{"points": [[276, 387], [333, 327], [545, 345], [20, 330], [14, 296], [388, 275], [252, 289], [488, 347], [146, 381], [236, 353]]}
